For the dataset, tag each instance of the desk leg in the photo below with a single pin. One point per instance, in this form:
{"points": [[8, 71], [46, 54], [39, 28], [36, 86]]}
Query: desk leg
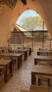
{"points": [[35, 61], [33, 79], [10, 67], [38, 53], [5, 74], [25, 56], [21, 60], [30, 51], [18, 63], [47, 54]]}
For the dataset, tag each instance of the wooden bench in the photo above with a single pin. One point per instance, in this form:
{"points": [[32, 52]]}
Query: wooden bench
{"points": [[35, 88], [5, 65], [42, 72]]}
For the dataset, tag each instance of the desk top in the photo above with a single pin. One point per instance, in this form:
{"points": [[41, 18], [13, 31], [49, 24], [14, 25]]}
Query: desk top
{"points": [[40, 69], [11, 54], [23, 50], [43, 57], [4, 62], [45, 51]]}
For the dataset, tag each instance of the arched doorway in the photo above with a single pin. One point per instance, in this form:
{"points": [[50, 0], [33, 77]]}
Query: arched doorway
{"points": [[32, 37]]}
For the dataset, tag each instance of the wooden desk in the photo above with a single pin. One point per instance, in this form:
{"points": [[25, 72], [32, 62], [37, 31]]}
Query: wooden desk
{"points": [[14, 55], [42, 58], [4, 64], [25, 51], [40, 70], [28, 49], [44, 52]]}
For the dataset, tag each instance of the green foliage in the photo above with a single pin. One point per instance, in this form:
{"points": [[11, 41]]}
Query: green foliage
{"points": [[32, 23], [10, 3]]}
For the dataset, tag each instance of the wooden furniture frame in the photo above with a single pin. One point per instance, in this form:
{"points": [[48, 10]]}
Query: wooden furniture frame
{"points": [[25, 51], [12, 56], [44, 52], [4, 65], [40, 70], [42, 58]]}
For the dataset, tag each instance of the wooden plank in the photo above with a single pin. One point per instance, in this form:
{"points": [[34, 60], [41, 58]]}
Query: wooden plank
{"points": [[44, 52], [47, 59], [40, 69], [10, 54], [4, 62], [13, 55], [35, 88], [43, 57]]}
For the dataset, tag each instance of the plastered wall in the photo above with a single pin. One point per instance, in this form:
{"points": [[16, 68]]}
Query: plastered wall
{"points": [[5, 17]]}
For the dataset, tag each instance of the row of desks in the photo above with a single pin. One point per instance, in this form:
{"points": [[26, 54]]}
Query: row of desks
{"points": [[13, 56], [23, 51], [41, 70], [6, 65]]}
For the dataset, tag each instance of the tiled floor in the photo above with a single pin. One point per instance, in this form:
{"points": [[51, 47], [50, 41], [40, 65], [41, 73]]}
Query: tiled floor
{"points": [[21, 78]]}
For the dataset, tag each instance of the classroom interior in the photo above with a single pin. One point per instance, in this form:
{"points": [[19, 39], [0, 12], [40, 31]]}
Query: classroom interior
{"points": [[25, 55]]}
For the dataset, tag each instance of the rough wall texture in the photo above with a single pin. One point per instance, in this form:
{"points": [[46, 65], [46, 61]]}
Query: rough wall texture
{"points": [[43, 7], [5, 17]]}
